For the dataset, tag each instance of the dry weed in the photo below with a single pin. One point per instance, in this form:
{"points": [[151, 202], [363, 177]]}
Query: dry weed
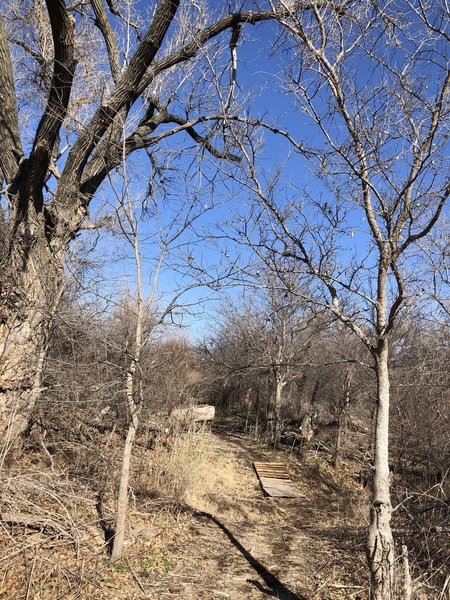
{"points": [[189, 468], [48, 528]]}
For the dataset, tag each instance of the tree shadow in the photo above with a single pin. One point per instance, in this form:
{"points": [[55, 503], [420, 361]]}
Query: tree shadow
{"points": [[108, 532], [275, 587]]}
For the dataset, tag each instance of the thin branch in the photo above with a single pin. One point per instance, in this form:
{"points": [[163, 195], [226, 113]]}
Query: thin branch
{"points": [[233, 74]]}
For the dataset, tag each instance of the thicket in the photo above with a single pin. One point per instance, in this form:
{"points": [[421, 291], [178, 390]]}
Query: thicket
{"points": [[80, 421], [329, 405]]}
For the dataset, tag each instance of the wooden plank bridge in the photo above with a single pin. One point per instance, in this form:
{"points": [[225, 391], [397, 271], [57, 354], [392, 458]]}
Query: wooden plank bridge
{"points": [[275, 480]]}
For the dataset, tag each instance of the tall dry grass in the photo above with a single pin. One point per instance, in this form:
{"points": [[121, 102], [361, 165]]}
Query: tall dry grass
{"points": [[189, 468]]}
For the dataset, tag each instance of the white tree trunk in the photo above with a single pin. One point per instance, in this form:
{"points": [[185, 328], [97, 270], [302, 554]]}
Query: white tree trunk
{"points": [[380, 542], [279, 384], [122, 498], [133, 409]]}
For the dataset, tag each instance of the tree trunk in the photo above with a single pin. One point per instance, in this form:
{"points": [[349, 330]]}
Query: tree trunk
{"points": [[134, 409], [30, 287], [122, 499], [342, 423], [133, 388], [380, 542], [276, 423], [407, 584]]}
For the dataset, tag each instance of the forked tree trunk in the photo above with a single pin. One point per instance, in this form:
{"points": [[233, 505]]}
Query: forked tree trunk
{"points": [[380, 541]]}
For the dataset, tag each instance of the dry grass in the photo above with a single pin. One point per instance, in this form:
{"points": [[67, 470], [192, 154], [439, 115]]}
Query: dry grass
{"points": [[189, 468], [314, 545], [48, 534]]}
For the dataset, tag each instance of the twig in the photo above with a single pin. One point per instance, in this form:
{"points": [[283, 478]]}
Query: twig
{"points": [[342, 586], [52, 465], [30, 578], [446, 587], [135, 577]]}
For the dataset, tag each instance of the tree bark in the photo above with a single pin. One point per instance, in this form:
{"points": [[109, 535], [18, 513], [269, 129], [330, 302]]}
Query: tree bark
{"points": [[122, 498], [277, 408], [407, 584], [30, 285], [380, 541], [12, 151]]}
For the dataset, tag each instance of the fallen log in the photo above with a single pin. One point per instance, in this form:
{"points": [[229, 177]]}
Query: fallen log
{"points": [[30, 522], [194, 414]]}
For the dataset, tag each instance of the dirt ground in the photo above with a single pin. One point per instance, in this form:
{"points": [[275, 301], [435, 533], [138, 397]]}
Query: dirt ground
{"points": [[237, 543], [227, 541], [256, 546]]}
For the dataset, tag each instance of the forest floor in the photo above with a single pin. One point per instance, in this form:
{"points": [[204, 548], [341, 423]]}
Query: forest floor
{"points": [[252, 546], [226, 539]]}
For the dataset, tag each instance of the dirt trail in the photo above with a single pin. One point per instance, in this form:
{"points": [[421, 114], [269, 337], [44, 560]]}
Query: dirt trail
{"points": [[209, 532], [251, 546]]}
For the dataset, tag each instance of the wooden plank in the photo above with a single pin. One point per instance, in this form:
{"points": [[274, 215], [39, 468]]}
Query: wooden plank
{"points": [[271, 469], [280, 489], [274, 476], [275, 480], [275, 473]]}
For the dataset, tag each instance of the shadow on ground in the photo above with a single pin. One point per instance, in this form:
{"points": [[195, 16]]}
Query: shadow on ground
{"points": [[275, 587]]}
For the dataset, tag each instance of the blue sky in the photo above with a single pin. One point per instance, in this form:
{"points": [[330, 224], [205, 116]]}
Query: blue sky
{"points": [[259, 69]]}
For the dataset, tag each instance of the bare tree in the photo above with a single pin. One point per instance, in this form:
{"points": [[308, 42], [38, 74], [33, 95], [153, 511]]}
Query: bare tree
{"points": [[145, 97], [167, 237], [133, 383], [378, 150], [265, 337]]}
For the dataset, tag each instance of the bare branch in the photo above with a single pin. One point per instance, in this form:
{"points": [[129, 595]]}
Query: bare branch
{"points": [[11, 149], [233, 75], [126, 92], [62, 25], [429, 226], [102, 22], [419, 157]]}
